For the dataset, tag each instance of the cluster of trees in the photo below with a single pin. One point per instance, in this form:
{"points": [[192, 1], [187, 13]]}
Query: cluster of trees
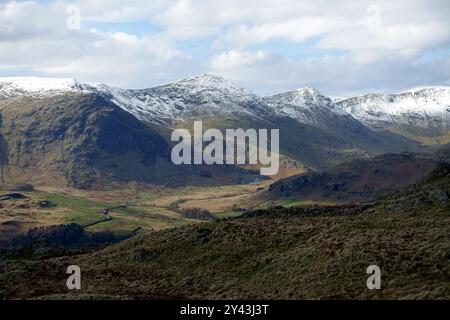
{"points": [[24, 187], [60, 235], [197, 213], [66, 235]]}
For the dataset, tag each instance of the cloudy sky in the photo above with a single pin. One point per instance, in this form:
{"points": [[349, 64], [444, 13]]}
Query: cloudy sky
{"points": [[340, 47]]}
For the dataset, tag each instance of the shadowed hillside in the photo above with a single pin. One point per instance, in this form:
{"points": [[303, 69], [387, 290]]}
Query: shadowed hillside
{"points": [[85, 141], [80, 139], [359, 180]]}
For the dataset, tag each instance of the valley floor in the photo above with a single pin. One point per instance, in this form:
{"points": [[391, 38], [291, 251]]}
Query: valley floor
{"points": [[274, 254], [132, 206]]}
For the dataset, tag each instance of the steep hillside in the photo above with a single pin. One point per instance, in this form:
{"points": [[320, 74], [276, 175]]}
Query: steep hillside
{"points": [[359, 180], [80, 138], [85, 141], [309, 106]]}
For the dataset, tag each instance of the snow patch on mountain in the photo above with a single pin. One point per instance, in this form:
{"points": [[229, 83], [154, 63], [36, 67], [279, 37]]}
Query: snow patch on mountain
{"points": [[337, 99], [200, 95], [306, 105], [303, 98], [16, 86], [422, 107]]}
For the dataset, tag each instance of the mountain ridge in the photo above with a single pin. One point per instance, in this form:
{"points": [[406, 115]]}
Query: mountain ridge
{"points": [[220, 89]]}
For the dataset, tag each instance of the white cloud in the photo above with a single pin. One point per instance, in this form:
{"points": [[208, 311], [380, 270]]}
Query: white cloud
{"points": [[407, 40], [235, 59], [121, 58], [121, 10], [296, 30], [34, 37], [374, 39]]}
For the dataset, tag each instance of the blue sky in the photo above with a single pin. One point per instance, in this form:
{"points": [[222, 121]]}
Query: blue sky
{"points": [[340, 47]]}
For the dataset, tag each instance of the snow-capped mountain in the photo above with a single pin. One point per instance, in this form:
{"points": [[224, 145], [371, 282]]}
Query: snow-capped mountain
{"points": [[212, 95], [306, 105], [313, 129], [420, 107], [309, 106], [199, 95]]}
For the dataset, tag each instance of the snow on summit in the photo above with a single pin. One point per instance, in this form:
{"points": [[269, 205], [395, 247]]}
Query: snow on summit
{"points": [[215, 95], [413, 107], [36, 85]]}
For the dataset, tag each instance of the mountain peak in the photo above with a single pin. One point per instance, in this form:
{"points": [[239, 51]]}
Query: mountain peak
{"points": [[209, 77], [308, 90], [305, 97], [209, 82]]}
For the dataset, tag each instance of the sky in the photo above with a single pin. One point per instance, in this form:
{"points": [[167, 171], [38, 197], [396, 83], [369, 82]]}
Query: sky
{"points": [[340, 47]]}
